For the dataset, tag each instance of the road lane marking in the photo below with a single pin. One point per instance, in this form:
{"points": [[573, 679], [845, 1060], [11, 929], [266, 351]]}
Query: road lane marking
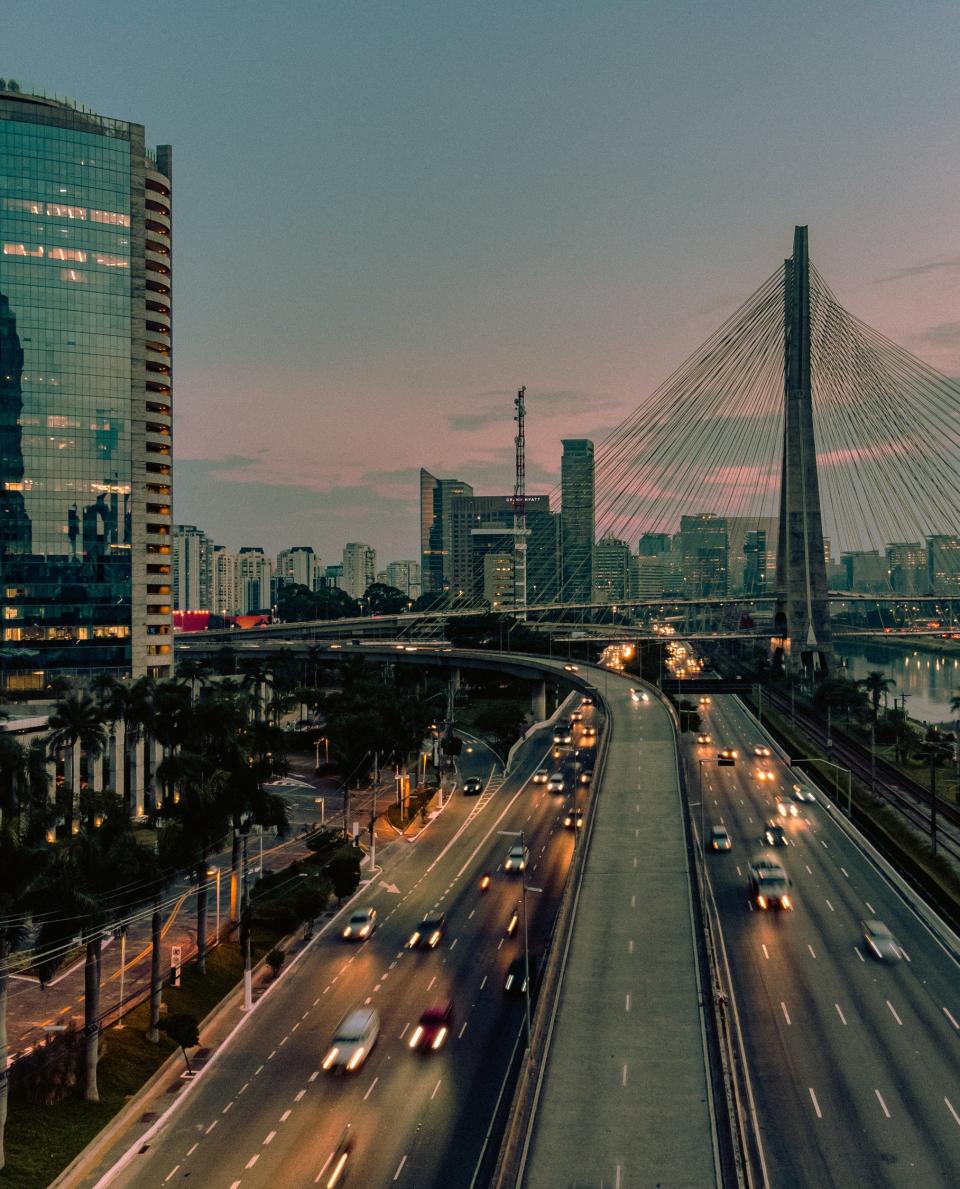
{"points": [[844, 870], [786, 1014], [396, 1175], [431, 982], [856, 950], [809, 872], [905, 954], [956, 1117], [630, 946], [305, 1014], [226, 1108], [823, 844], [470, 917], [235, 1185], [619, 1181], [272, 1055], [816, 1105], [260, 1070], [295, 1027], [454, 942], [634, 860], [765, 953], [436, 1088], [299, 1094], [893, 1012], [627, 1008], [623, 1076], [170, 1173], [951, 1019], [313, 1077], [843, 1018], [253, 1160], [633, 902], [404, 1032], [484, 983], [370, 1091], [883, 1105], [286, 1115], [462, 1030], [830, 906], [326, 1165], [194, 1148], [211, 1127], [812, 951], [242, 1088], [870, 906], [269, 1139]]}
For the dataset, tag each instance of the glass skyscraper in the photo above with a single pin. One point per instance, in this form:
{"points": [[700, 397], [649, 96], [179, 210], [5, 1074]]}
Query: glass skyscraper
{"points": [[576, 520], [85, 394]]}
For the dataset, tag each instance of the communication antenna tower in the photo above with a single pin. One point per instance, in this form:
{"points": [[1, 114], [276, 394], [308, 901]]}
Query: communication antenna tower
{"points": [[520, 508]]}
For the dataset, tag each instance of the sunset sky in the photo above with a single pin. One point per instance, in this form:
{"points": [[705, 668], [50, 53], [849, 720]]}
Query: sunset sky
{"points": [[388, 216]]}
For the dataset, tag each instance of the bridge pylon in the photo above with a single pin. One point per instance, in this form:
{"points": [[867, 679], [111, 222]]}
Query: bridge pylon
{"points": [[802, 616]]}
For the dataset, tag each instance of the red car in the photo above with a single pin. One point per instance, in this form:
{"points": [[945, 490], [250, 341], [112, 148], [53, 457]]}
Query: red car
{"points": [[433, 1028]]}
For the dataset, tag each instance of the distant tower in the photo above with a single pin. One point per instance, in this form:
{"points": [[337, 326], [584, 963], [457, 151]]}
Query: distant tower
{"points": [[577, 496], [520, 507], [802, 618]]}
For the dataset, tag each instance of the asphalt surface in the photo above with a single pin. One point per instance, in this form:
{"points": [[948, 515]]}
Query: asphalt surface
{"points": [[855, 1063], [265, 1113]]}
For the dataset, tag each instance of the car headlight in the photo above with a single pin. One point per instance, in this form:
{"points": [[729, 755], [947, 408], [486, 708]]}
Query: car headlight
{"points": [[356, 1058], [330, 1058], [365, 930], [434, 938], [347, 931], [414, 939], [415, 1039], [439, 1038], [785, 902], [762, 901]]}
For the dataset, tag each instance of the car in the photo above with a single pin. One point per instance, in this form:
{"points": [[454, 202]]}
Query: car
{"points": [[720, 839], [433, 1028], [361, 924], [586, 776], [761, 750], [556, 783], [562, 736], [573, 819], [589, 733], [786, 809], [355, 1036], [880, 941], [706, 700], [774, 834], [764, 774], [577, 716], [802, 793], [639, 695], [516, 859], [472, 785], [513, 920], [572, 668], [704, 738], [541, 776], [428, 933], [516, 980], [588, 701], [727, 755]]}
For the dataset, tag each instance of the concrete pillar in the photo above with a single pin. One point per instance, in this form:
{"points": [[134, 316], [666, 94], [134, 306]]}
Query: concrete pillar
{"points": [[539, 701], [97, 773], [118, 758], [156, 756], [75, 774], [138, 790]]}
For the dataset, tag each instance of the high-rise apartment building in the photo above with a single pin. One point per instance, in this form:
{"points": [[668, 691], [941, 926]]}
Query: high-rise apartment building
{"points": [[943, 564], [254, 571], [405, 576], [225, 595], [299, 564], [192, 569], [359, 568], [436, 529], [577, 520], [703, 543], [611, 571], [907, 567], [85, 393]]}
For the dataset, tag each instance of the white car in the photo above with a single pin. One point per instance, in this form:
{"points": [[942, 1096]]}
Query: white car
{"points": [[541, 776], [802, 793], [556, 783], [786, 809], [516, 859], [761, 750], [353, 1040], [361, 925]]}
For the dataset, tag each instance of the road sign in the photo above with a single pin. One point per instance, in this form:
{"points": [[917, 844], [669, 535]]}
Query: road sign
{"points": [[176, 957]]}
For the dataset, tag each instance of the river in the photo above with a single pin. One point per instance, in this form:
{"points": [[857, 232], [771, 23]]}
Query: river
{"points": [[929, 678]]}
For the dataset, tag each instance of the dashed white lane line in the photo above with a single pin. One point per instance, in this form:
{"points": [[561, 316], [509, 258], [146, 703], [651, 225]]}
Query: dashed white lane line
{"points": [[856, 950], [618, 1183], [816, 1105], [299, 1095], [404, 1032], [623, 1076], [869, 906], [253, 1160], [270, 1138], [194, 1148], [260, 1070], [634, 860], [272, 1055], [627, 1007], [893, 1012], [286, 1115], [844, 870], [883, 1105], [956, 1117], [226, 1108], [370, 1090], [295, 1027], [454, 942], [313, 1077], [396, 1175], [242, 1088], [633, 902], [326, 1165], [830, 906], [431, 982], [484, 983], [783, 1008], [462, 1030], [630, 946], [211, 1127], [951, 1019], [809, 872], [235, 1185], [813, 952], [305, 1014], [470, 917], [823, 844], [435, 1089], [765, 952], [170, 1173], [843, 1018]]}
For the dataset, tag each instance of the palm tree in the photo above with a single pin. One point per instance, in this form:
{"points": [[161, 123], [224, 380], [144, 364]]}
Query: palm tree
{"points": [[13, 766], [876, 685], [172, 705], [195, 672], [20, 871], [77, 719]]}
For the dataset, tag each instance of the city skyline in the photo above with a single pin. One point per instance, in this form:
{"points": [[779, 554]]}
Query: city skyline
{"points": [[455, 247]]}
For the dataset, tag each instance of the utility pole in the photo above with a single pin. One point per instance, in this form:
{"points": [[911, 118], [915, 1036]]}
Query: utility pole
{"points": [[520, 508], [245, 929]]}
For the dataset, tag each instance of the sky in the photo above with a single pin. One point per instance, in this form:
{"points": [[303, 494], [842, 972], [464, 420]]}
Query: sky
{"points": [[388, 216]]}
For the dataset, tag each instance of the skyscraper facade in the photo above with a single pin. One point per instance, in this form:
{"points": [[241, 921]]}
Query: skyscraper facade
{"points": [[359, 568], [703, 543], [436, 496], [577, 520], [192, 569], [299, 564], [611, 570], [85, 393]]}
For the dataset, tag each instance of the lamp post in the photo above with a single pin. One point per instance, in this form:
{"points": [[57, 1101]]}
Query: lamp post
{"points": [[838, 768], [215, 872], [245, 928], [123, 963]]}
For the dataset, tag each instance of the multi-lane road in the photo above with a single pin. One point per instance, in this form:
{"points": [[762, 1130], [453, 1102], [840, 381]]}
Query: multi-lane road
{"points": [[265, 1113], [854, 1063]]}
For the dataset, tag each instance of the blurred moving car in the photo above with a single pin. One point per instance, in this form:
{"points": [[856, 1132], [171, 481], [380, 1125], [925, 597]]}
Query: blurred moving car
{"points": [[355, 1036], [428, 933], [589, 733], [787, 809], [516, 859], [516, 981], [513, 921], [484, 881], [573, 819], [802, 793], [727, 755], [541, 776], [880, 941], [706, 700], [433, 1028], [556, 783], [586, 776], [639, 695], [761, 749], [774, 834], [472, 785], [703, 737], [764, 774], [572, 668], [361, 924], [720, 839]]}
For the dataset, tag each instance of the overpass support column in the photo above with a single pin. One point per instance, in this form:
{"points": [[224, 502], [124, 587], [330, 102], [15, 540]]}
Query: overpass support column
{"points": [[539, 701]]}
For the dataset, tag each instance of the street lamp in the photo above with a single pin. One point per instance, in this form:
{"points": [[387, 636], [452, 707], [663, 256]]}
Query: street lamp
{"points": [[326, 749], [215, 872], [837, 768]]}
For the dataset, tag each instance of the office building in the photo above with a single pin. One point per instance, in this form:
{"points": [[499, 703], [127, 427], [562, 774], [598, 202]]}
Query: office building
{"points": [[703, 544], [943, 564], [436, 529], [299, 565], [652, 544], [907, 567], [85, 394], [739, 530], [756, 568], [611, 571], [577, 520], [866, 571], [493, 570], [192, 569], [359, 568], [470, 512], [405, 576]]}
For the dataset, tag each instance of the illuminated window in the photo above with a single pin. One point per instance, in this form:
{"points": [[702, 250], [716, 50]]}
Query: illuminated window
{"points": [[23, 204], [60, 211], [111, 261], [67, 254], [21, 250], [112, 217], [71, 274]]}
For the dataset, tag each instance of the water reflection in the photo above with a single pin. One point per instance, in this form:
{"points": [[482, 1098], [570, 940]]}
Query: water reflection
{"points": [[928, 678]]}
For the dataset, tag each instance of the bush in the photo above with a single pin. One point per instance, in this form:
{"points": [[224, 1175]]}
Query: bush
{"points": [[275, 960], [344, 872]]}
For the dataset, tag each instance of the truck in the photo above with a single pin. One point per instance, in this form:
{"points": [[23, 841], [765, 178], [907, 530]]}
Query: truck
{"points": [[769, 883]]}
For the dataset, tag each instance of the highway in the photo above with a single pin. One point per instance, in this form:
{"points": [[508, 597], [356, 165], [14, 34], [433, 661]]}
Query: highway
{"points": [[265, 1113], [854, 1063]]}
